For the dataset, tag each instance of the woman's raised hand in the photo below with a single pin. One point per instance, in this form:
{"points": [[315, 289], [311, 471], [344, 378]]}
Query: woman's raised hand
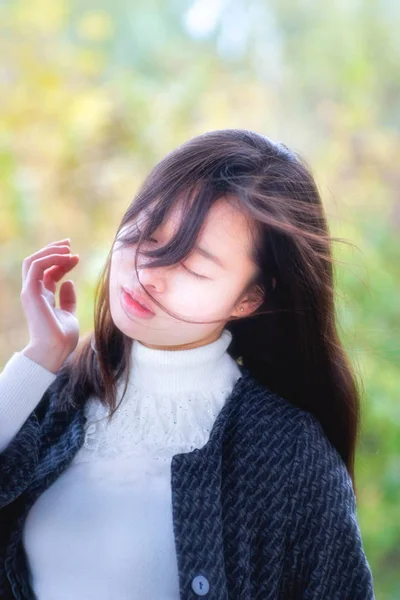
{"points": [[54, 332]]}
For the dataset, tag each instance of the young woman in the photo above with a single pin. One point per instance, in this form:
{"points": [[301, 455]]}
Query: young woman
{"points": [[201, 440]]}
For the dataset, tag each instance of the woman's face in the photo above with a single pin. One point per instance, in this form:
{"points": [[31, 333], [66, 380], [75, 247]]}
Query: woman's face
{"points": [[217, 295]]}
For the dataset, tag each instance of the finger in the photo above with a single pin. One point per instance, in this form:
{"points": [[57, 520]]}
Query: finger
{"points": [[64, 241], [36, 271], [46, 251], [55, 273], [68, 296]]}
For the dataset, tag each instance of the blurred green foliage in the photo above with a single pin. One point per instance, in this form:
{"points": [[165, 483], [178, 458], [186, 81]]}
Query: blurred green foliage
{"points": [[94, 93]]}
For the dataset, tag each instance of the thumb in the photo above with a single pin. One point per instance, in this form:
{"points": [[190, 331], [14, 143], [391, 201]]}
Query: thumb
{"points": [[68, 296]]}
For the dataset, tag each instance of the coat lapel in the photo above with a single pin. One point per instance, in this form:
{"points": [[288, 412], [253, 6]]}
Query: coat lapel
{"points": [[197, 512]]}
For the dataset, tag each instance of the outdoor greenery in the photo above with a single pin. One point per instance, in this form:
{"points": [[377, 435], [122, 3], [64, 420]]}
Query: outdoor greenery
{"points": [[93, 94]]}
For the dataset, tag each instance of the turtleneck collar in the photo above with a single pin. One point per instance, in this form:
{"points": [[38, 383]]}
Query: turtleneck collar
{"points": [[203, 369]]}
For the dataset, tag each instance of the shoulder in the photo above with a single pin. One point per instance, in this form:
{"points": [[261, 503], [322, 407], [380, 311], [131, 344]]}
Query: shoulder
{"points": [[268, 416], [319, 479], [293, 437], [49, 409]]}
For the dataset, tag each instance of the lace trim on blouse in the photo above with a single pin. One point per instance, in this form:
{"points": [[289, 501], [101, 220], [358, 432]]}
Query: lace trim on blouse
{"points": [[154, 425]]}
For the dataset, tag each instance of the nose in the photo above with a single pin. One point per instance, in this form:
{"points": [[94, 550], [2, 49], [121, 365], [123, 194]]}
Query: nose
{"points": [[152, 279]]}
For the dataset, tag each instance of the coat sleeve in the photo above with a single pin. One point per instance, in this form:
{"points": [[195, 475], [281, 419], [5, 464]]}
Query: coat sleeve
{"points": [[19, 459], [22, 385], [326, 550], [22, 379]]}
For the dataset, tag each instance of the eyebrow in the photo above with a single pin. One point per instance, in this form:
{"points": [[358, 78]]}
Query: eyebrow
{"points": [[206, 253], [209, 256]]}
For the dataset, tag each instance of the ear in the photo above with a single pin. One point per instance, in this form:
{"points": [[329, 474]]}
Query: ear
{"points": [[250, 303]]}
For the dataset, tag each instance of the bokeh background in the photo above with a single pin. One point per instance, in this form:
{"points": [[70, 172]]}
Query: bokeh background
{"points": [[93, 94]]}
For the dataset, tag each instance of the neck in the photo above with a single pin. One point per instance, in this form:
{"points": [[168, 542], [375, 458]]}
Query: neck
{"points": [[208, 340], [202, 368]]}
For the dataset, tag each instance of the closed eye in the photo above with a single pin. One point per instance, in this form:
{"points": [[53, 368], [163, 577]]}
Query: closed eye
{"points": [[194, 274], [186, 269]]}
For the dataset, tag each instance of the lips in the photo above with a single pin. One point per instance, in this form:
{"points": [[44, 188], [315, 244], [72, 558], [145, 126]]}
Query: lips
{"points": [[138, 299]]}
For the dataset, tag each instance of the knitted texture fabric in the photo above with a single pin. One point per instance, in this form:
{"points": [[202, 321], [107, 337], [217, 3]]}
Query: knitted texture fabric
{"points": [[265, 510]]}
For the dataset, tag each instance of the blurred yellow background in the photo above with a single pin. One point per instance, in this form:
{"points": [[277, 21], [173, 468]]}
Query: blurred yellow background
{"points": [[93, 94]]}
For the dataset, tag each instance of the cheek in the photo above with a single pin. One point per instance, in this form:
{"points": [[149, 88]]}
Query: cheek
{"points": [[184, 294], [114, 267], [122, 260], [204, 300], [119, 275]]}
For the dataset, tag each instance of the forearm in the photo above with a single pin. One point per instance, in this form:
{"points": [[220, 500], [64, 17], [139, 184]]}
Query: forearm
{"points": [[22, 384]]}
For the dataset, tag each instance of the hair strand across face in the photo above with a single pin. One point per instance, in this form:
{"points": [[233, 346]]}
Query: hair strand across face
{"points": [[291, 343]]}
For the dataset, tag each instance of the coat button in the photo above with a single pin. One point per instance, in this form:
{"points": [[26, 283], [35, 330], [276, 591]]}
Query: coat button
{"points": [[200, 585]]}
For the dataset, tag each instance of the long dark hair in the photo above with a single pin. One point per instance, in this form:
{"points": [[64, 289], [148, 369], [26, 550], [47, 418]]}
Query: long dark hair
{"points": [[291, 343]]}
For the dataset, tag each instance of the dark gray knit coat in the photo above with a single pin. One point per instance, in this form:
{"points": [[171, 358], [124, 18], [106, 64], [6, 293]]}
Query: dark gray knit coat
{"points": [[264, 511]]}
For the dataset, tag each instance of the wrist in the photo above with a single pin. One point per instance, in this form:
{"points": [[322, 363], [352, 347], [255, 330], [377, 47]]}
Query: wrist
{"points": [[47, 358]]}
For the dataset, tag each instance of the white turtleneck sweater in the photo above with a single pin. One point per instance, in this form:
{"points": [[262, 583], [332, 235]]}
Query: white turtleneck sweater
{"points": [[104, 528]]}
